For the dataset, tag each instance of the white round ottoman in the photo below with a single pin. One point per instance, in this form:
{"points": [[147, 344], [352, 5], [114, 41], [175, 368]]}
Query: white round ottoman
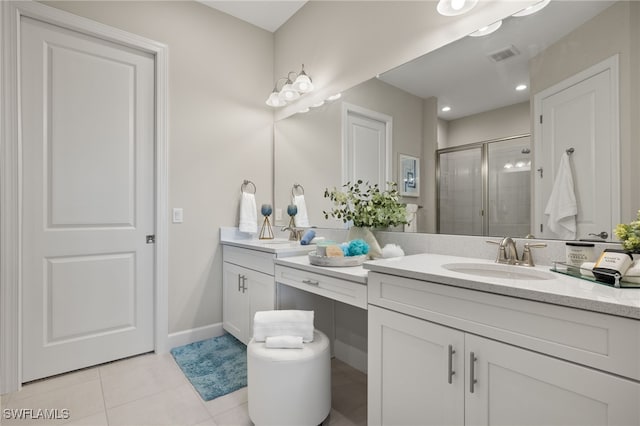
{"points": [[289, 386]]}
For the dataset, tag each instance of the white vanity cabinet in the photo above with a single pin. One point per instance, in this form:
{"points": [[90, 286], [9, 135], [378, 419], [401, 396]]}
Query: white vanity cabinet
{"points": [[248, 283], [247, 287], [245, 292], [445, 355]]}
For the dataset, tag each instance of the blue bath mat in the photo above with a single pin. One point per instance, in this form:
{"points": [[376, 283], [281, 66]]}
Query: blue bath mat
{"points": [[215, 367]]}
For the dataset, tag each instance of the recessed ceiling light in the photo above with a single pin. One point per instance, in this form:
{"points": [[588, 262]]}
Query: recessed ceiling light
{"points": [[521, 87], [455, 7], [334, 97], [446, 109], [486, 30], [532, 9]]}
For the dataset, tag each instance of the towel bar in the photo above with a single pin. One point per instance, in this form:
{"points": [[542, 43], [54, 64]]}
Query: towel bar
{"points": [[245, 184], [297, 186]]}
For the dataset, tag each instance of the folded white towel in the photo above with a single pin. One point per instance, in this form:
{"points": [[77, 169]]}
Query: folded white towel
{"points": [[562, 207], [301, 219], [248, 214], [283, 323], [284, 342], [412, 218]]}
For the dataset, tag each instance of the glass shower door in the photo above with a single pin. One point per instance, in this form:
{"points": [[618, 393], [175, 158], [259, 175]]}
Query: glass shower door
{"points": [[460, 192], [509, 188]]}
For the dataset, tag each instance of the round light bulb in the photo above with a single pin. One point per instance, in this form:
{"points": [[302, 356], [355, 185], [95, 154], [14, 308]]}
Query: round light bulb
{"points": [[457, 4]]}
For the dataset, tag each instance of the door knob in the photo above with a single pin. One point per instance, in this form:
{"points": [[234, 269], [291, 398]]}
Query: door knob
{"points": [[604, 235]]}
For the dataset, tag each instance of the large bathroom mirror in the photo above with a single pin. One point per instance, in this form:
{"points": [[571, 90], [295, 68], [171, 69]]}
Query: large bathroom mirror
{"points": [[477, 78]]}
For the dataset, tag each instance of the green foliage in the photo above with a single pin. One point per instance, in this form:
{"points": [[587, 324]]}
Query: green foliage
{"points": [[366, 205], [629, 234]]}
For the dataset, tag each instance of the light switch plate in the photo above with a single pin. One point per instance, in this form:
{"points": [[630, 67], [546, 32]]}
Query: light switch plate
{"points": [[178, 215], [278, 214]]}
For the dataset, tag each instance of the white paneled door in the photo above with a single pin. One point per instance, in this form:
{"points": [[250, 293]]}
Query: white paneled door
{"points": [[366, 147], [88, 205], [581, 113]]}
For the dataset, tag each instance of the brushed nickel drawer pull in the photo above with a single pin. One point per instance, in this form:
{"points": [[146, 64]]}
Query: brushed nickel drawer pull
{"points": [[472, 372], [451, 372], [311, 282]]}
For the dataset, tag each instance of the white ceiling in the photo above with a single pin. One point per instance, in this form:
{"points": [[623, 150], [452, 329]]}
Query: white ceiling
{"points": [[462, 75], [268, 15]]}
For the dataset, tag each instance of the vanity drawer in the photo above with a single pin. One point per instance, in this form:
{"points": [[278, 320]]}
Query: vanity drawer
{"points": [[345, 291], [252, 259], [605, 342]]}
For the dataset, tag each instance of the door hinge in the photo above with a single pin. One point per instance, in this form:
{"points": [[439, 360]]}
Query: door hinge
{"points": [[151, 239], [541, 119], [541, 228]]}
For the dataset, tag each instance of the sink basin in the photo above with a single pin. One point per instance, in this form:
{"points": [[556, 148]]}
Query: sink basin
{"points": [[497, 270]]}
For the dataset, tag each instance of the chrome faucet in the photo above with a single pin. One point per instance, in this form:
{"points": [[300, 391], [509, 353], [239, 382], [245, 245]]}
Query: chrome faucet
{"points": [[508, 252], [295, 234]]}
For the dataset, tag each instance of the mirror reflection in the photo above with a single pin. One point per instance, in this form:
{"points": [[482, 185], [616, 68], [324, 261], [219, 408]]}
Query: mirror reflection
{"points": [[571, 62]]}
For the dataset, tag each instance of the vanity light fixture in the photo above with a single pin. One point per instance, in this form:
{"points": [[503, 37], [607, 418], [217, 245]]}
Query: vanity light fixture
{"points": [[487, 30], [455, 7], [295, 85], [536, 7], [521, 87]]}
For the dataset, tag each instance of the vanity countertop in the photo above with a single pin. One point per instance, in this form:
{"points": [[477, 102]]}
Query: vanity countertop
{"points": [[278, 246], [561, 290], [350, 273]]}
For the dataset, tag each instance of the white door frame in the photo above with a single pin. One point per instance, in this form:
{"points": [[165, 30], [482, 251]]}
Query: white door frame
{"points": [[11, 181], [348, 108]]}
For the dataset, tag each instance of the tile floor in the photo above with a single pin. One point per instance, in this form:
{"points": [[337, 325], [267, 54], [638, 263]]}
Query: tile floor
{"points": [[151, 390]]}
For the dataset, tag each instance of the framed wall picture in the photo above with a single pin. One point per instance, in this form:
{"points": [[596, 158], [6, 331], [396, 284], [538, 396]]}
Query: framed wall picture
{"points": [[409, 183]]}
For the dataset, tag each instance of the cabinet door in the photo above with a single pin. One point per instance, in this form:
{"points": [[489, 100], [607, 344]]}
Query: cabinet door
{"points": [[409, 370], [235, 301], [262, 296], [519, 387]]}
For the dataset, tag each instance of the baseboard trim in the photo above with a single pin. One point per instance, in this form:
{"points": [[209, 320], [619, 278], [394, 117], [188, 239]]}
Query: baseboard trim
{"points": [[185, 337], [350, 355]]}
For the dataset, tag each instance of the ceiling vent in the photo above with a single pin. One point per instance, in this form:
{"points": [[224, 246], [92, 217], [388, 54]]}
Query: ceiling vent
{"points": [[503, 54]]}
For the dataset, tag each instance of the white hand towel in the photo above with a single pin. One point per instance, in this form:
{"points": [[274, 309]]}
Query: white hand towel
{"points": [[284, 342], [248, 214], [562, 207], [301, 219], [283, 323], [412, 218]]}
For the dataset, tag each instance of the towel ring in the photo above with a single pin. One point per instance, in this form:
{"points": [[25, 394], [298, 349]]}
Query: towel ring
{"points": [[297, 186], [245, 184], [570, 151]]}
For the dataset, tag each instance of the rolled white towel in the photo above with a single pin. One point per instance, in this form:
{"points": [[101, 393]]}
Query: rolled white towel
{"points": [[248, 214], [283, 323], [633, 273], [634, 269], [284, 342], [301, 219], [586, 269]]}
